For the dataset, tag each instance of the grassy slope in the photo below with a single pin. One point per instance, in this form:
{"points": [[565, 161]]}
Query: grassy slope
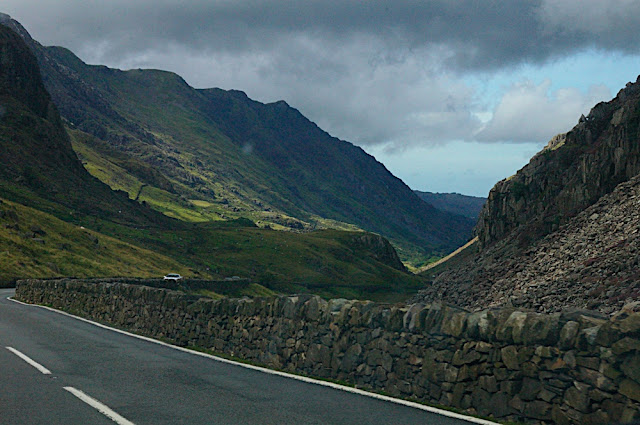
{"points": [[327, 262], [450, 262], [36, 244]]}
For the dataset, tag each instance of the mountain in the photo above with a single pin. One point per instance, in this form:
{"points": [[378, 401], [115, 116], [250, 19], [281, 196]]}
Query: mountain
{"points": [[212, 154], [454, 203], [37, 157], [58, 220], [40, 169], [561, 233], [572, 172]]}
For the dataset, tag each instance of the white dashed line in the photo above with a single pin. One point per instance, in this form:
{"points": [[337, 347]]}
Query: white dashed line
{"points": [[33, 363], [99, 406]]}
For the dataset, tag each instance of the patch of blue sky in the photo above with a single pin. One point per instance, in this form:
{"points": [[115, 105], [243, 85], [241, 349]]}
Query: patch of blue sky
{"points": [[470, 168]]}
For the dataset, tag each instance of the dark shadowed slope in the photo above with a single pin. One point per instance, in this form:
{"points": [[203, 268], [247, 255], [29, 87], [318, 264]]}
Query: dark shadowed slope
{"points": [[36, 156]]}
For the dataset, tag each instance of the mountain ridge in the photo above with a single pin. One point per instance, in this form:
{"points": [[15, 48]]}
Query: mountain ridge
{"points": [[266, 162], [456, 203]]}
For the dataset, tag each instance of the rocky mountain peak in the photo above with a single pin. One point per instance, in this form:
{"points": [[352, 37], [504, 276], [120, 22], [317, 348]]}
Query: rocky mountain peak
{"points": [[17, 27]]}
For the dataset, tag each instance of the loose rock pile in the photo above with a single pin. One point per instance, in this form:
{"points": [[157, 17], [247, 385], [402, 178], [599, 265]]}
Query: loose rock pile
{"points": [[592, 262]]}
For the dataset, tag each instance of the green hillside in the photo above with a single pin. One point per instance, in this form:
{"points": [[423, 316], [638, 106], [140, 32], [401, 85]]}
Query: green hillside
{"points": [[330, 263], [58, 220], [326, 262], [36, 244], [223, 155]]}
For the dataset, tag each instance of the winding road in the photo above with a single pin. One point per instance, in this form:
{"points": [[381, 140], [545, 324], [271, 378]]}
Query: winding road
{"points": [[56, 369]]}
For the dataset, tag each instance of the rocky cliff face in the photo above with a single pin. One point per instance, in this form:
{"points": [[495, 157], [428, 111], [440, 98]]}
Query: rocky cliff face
{"points": [[20, 76], [31, 132], [563, 232], [570, 174]]}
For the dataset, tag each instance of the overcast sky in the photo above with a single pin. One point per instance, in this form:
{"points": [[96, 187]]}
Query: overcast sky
{"points": [[451, 96]]}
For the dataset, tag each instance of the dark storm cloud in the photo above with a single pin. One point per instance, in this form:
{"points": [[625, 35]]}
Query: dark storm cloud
{"points": [[367, 71], [477, 34]]}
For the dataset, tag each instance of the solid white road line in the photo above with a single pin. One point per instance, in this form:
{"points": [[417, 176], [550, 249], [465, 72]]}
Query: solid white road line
{"points": [[33, 363], [99, 406], [415, 405]]}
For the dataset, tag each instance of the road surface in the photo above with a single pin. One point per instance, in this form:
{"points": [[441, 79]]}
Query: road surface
{"points": [[55, 369]]}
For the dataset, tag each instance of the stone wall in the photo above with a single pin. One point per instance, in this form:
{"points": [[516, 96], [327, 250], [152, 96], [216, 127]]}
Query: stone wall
{"points": [[509, 364]]}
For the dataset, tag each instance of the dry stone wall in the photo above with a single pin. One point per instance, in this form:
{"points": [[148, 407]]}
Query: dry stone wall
{"points": [[557, 368]]}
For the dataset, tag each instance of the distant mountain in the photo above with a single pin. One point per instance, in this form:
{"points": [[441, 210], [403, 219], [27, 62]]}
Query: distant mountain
{"points": [[209, 154], [58, 220], [561, 233], [454, 203]]}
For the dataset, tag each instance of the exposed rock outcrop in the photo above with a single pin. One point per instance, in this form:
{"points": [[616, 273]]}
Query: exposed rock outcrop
{"points": [[568, 175], [380, 249], [563, 231]]}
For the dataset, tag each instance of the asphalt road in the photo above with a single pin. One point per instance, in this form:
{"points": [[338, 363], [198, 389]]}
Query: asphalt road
{"points": [[147, 383]]}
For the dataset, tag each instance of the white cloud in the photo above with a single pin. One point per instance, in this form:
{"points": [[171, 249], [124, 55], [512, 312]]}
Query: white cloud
{"points": [[534, 113]]}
